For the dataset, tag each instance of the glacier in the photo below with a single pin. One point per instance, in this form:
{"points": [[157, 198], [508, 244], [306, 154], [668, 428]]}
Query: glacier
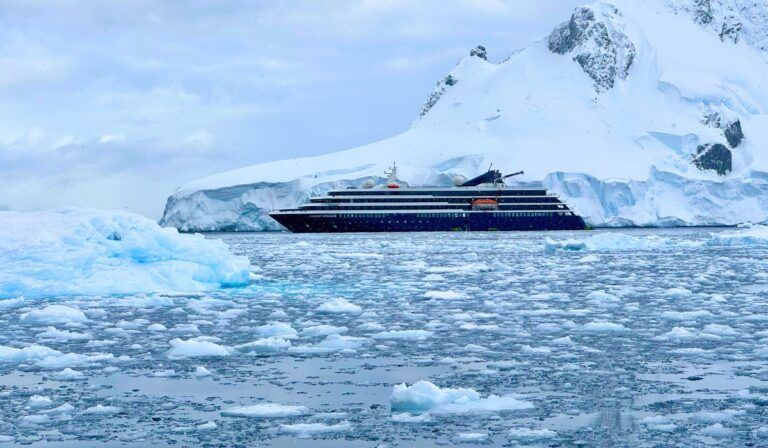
{"points": [[78, 251], [634, 113]]}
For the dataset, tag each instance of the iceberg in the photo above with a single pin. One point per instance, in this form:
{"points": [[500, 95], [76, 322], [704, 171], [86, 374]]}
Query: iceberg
{"points": [[73, 251]]}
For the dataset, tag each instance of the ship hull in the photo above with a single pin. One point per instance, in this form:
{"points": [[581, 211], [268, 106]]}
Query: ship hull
{"points": [[404, 222]]}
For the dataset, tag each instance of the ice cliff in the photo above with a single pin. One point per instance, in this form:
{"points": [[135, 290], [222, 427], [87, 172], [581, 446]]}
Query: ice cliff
{"points": [[86, 251], [636, 113]]}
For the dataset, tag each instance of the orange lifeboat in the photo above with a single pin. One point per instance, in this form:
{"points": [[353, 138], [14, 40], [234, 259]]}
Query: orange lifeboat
{"points": [[485, 204], [393, 186]]}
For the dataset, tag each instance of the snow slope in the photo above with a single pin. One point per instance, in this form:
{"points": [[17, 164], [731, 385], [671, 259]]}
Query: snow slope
{"points": [[636, 113], [85, 251]]}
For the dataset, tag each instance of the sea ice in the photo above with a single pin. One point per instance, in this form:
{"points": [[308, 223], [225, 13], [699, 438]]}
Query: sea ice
{"points": [[529, 434], [339, 306], [193, 348], [100, 409], [756, 235], [423, 396], [305, 430], [264, 346], [277, 329], [54, 314], [447, 295], [323, 330], [67, 374], [265, 410], [413, 335]]}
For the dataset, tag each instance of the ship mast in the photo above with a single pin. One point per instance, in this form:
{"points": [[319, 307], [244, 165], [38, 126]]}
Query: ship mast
{"points": [[392, 176]]}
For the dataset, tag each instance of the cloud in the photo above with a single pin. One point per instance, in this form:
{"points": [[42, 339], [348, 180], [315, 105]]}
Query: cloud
{"points": [[117, 103]]}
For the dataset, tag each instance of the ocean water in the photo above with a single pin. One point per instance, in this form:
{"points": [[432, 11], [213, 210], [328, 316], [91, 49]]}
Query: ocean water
{"points": [[656, 338]]}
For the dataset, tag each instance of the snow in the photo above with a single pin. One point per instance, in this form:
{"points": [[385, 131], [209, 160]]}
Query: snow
{"points": [[54, 314], [621, 154], [266, 410], [195, 348], [424, 396], [339, 305], [86, 251]]}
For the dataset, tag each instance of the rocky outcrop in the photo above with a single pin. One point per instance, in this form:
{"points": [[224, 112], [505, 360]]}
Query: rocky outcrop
{"points": [[732, 20], [597, 43], [713, 157], [716, 156], [437, 93], [480, 52]]}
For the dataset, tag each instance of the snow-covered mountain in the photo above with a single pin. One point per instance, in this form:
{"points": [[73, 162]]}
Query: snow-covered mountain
{"points": [[647, 112]]}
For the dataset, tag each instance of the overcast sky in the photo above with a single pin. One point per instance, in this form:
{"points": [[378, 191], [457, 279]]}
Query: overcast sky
{"points": [[114, 104]]}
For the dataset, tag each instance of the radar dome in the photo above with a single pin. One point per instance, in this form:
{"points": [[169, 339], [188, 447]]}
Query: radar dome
{"points": [[458, 180], [369, 183]]}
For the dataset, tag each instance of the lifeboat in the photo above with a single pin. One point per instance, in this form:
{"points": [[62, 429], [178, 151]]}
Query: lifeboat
{"points": [[393, 186], [485, 204]]}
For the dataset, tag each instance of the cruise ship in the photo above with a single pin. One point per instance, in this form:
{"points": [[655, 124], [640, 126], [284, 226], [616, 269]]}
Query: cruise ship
{"points": [[483, 203]]}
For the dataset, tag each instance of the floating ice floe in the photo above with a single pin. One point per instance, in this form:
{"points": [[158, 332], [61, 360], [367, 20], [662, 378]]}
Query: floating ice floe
{"points": [[62, 335], [608, 242], [601, 327], [87, 251], [100, 409], [266, 410], [528, 434], [339, 305], [264, 346], [47, 358], [201, 371], [67, 374], [413, 335], [323, 330], [306, 430], [756, 235], [192, 348], [423, 396], [471, 436], [54, 314], [277, 329], [39, 401], [447, 295]]}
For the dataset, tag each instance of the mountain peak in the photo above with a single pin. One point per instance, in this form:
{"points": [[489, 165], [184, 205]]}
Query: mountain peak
{"points": [[596, 39]]}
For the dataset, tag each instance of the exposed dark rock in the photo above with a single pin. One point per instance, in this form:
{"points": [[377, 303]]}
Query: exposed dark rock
{"points": [[437, 93], [702, 12], [713, 157], [569, 34], [731, 129], [730, 30], [604, 55], [733, 133], [480, 52]]}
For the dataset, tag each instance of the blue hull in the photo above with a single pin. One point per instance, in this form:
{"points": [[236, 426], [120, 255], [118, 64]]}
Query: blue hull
{"points": [[404, 222]]}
